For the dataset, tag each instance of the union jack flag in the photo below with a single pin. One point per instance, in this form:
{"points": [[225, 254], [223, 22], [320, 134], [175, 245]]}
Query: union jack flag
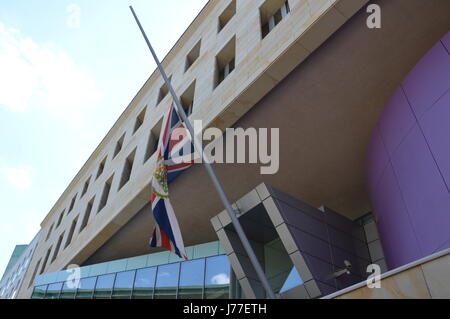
{"points": [[175, 154]]}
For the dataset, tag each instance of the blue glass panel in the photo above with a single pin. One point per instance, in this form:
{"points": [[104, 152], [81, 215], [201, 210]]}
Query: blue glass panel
{"points": [[167, 281], [191, 279], [217, 271], [39, 292], [144, 283], [68, 291], [217, 277], [103, 288], [192, 273], [53, 291], [124, 284], [293, 280], [86, 288]]}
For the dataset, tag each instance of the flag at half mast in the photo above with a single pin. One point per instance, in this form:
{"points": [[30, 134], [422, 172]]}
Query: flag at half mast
{"points": [[174, 155]]}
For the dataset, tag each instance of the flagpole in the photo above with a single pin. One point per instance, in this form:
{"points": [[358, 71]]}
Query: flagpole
{"points": [[237, 225]]}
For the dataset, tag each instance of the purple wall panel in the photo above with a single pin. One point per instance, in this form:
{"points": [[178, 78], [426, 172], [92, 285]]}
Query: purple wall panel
{"points": [[399, 242], [429, 79], [424, 192], [410, 196], [435, 125], [396, 121]]}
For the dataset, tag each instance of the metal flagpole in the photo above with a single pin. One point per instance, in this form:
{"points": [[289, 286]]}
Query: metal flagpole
{"points": [[237, 225]]}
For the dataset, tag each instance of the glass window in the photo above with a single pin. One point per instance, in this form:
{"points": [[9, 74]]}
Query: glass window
{"points": [[191, 279], [144, 283], [277, 16], [217, 277], [123, 286], [86, 288], [53, 291], [39, 292], [277, 264], [167, 281], [103, 288], [293, 280], [68, 290]]}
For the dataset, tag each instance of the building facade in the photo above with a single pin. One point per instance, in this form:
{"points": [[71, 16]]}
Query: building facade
{"points": [[315, 70]]}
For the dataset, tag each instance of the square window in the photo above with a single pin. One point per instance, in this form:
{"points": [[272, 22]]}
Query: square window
{"points": [[193, 55], [119, 145], [187, 99], [225, 61], [140, 120], [163, 91], [105, 194], [272, 12], [127, 168], [101, 167], [153, 139], [227, 14]]}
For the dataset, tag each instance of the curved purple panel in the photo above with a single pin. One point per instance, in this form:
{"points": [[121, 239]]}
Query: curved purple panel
{"points": [[408, 164]]}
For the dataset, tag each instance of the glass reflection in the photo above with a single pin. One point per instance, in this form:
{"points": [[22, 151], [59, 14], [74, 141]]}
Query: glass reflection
{"points": [[293, 280], [39, 292], [86, 288], [69, 290], [123, 285], [144, 283], [192, 279], [277, 264], [217, 277], [53, 291], [167, 281], [103, 288]]}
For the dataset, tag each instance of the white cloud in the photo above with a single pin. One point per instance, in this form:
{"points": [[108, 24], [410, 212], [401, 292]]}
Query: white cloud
{"points": [[41, 75], [220, 279], [20, 177], [74, 16]]}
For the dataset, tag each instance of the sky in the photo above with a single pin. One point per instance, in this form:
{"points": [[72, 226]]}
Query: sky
{"points": [[68, 69]]}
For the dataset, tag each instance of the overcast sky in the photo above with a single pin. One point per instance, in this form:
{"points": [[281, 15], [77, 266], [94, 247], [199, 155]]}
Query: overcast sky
{"points": [[68, 69]]}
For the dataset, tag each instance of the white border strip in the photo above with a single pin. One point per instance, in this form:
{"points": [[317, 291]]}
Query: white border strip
{"points": [[391, 272]]}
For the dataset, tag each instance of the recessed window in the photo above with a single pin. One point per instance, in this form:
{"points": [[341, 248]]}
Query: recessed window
{"points": [[127, 169], [34, 273], [87, 214], [105, 194], [58, 246], [272, 12], [187, 99], [152, 143], [72, 203], [227, 14], [60, 218], [101, 168], [193, 55], [44, 264], [85, 187], [139, 120], [119, 145], [49, 232], [72, 230], [163, 91], [225, 61]]}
